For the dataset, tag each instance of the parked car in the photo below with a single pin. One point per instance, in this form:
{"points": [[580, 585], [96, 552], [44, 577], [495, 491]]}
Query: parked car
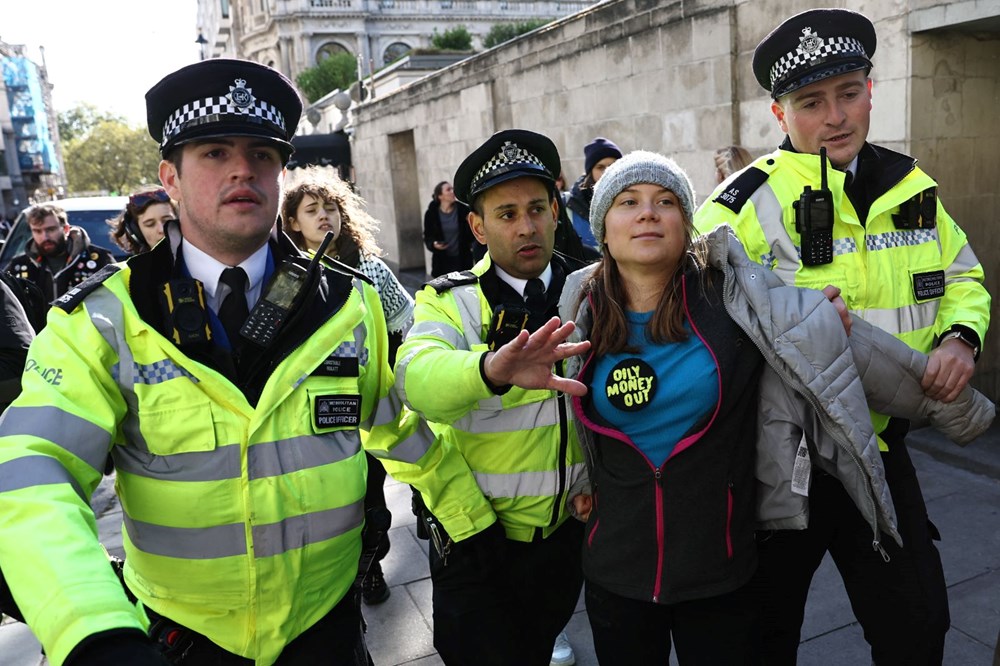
{"points": [[90, 213]]}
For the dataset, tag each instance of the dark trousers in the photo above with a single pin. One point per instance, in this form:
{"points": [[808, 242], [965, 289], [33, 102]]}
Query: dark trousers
{"points": [[902, 604], [511, 614], [709, 632], [337, 639]]}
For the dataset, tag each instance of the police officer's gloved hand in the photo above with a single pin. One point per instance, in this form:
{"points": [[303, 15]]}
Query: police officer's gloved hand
{"points": [[488, 548], [122, 647]]}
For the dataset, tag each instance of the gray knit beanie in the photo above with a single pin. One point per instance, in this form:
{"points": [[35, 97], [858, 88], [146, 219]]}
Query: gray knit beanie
{"points": [[637, 167]]}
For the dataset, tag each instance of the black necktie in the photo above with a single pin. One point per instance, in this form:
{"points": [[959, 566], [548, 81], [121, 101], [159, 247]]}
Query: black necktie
{"points": [[234, 311], [534, 296]]}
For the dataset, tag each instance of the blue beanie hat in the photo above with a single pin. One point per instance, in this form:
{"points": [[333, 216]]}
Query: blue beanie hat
{"points": [[597, 150]]}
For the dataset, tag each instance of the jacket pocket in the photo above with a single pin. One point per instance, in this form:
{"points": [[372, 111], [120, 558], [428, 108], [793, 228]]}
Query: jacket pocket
{"points": [[179, 429]]}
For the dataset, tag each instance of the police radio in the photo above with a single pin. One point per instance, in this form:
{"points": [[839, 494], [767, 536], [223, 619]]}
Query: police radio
{"points": [[814, 220], [282, 295]]}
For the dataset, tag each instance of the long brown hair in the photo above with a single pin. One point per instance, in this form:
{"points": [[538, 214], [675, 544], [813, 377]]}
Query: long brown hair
{"points": [[606, 287], [357, 227]]}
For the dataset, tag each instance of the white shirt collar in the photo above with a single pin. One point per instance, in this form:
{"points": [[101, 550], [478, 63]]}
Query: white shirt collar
{"points": [[852, 168], [207, 270], [518, 284]]}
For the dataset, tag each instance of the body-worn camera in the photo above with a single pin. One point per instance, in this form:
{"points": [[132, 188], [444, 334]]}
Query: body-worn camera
{"points": [[183, 304], [814, 220], [507, 322]]}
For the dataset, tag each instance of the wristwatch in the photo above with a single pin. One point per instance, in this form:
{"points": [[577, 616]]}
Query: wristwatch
{"points": [[954, 334]]}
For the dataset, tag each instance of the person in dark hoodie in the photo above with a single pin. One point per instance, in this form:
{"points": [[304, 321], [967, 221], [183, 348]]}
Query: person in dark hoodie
{"points": [[598, 155], [58, 257], [447, 233]]}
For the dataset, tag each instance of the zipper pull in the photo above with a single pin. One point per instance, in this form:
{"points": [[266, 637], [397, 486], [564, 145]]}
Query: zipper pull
{"points": [[877, 546]]}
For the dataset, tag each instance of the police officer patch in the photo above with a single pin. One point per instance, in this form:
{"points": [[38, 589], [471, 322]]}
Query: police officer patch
{"points": [[928, 285], [337, 411]]}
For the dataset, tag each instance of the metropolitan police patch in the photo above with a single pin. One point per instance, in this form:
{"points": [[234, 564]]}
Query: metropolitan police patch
{"points": [[337, 411]]}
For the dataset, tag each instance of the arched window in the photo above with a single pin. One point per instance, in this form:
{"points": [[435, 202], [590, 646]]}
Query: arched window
{"points": [[395, 51], [328, 50]]}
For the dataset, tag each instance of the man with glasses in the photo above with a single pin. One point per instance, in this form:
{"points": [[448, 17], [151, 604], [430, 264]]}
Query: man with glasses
{"points": [[59, 256]]}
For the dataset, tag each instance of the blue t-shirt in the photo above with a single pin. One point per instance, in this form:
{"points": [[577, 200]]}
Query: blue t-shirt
{"points": [[656, 396]]}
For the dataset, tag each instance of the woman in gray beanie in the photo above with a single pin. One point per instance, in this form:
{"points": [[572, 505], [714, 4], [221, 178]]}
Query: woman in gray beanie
{"points": [[705, 375]]}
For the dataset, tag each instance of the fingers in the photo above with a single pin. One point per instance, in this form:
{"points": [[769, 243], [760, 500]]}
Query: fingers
{"points": [[567, 386], [832, 294], [949, 368]]}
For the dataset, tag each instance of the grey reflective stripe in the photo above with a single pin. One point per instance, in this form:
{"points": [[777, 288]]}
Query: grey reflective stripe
{"points": [[31, 471], [295, 454], [411, 449], [467, 301], [108, 316], [299, 531], [217, 465], [906, 319], [74, 434], [360, 331], [470, 312], [768, 211], [510, 419], [437, 329], [387, 409], [525, 484], [900, 238], [964, 262], [187, 543]]}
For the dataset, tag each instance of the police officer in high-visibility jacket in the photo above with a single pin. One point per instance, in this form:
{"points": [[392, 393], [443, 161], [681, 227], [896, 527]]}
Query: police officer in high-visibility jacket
{"points": [[505, 561], [829, 208], [232, 418]]}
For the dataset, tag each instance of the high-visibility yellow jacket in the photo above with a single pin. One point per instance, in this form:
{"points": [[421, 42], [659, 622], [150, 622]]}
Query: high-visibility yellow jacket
{"points": [[915, 283], [241, 521], [518, 449]]}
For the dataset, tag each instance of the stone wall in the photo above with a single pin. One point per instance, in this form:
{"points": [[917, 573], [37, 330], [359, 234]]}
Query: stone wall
{"points": [[675, 77]]}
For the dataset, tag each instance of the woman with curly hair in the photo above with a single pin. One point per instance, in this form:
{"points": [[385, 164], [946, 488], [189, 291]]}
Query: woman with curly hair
{"points": [[319, 202]]}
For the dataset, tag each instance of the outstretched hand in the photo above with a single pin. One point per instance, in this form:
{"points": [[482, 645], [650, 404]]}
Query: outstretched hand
{"points": [[527, 360]]}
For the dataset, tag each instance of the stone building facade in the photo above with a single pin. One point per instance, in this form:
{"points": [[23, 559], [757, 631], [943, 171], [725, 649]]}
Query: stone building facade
{"points": [[292, 35], [675, 77]]}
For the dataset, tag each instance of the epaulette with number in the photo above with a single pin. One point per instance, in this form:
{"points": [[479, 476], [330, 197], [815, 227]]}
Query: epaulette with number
{"points": [[448, 281], [740, 188], [72, 298]]}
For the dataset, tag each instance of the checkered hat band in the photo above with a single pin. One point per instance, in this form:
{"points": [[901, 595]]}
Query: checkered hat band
{"points": [[214, 109], [509, 155], [831, 47]]}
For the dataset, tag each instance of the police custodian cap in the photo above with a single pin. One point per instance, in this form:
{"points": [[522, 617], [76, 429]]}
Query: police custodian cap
{"points": [[506, 155], [223, 97], [813, 46]]}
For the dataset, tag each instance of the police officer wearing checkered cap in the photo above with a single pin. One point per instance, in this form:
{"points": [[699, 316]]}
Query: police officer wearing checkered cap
{"points": [[900, 261], [505, 563], [235, 436]]}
